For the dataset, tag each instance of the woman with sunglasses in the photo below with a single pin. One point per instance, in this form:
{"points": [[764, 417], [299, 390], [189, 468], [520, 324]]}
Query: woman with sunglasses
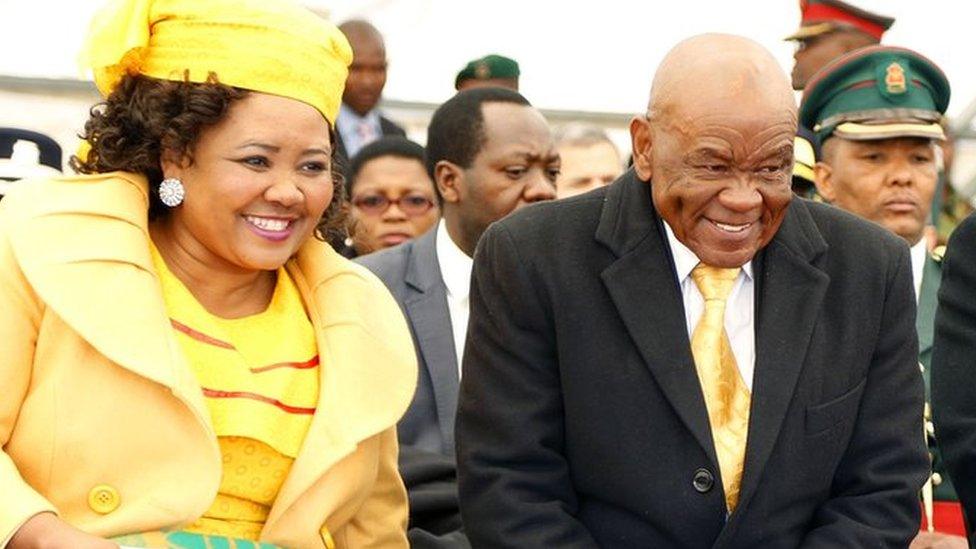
{"points": [[392, 195]]}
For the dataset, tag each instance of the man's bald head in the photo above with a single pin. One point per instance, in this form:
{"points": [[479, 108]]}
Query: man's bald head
{"points": [[360, 31], [367, 73], [718, 143], [718, 70]]}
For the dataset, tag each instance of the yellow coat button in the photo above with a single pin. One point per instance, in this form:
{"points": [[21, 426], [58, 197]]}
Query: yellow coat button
{"points": [[104, 499], [936, 479]]}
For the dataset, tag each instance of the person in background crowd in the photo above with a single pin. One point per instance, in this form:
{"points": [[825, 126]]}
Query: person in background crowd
{"points": [[360, 121], [26, 154], [48, 150], [953, 390], [393, 198], [490, 153], [804, 159], [589, 159], [949, 207], [876, 112], [490, 71], [686, 358], [829, 29], [184, 362]]}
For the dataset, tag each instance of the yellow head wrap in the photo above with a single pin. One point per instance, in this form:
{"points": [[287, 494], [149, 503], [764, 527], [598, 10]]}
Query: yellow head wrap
{"points": [[268, 46]]}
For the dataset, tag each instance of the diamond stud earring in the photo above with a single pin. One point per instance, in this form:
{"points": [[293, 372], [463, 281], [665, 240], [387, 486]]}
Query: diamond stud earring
{"points": [[171, 192]]}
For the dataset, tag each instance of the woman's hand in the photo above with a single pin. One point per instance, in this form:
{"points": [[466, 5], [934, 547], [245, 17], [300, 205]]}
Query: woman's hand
{"points": [[47, 531]]}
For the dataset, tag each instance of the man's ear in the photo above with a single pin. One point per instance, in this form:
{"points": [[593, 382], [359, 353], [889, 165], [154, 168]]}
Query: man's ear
{"points": [[640, 139], [449, 177], [823, 179]]}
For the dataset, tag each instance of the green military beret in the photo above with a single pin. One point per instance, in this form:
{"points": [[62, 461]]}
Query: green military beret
{"points": [[876, 92], [487, 68]]}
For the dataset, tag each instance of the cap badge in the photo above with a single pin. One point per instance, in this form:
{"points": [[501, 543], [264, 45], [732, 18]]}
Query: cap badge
{"points": [[482, 71], [895, 81]]}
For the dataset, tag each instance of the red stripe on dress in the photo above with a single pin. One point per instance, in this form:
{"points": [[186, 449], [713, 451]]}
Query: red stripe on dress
{"points": [[200, 336], [310, 363], [213, 393]]}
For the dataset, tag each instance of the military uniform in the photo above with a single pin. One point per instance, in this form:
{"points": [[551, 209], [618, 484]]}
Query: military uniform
{"points": [[879, 93], [818, 17]]}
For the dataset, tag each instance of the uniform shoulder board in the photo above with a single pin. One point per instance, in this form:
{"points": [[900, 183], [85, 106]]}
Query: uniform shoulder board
{"points": [[938, 254]]}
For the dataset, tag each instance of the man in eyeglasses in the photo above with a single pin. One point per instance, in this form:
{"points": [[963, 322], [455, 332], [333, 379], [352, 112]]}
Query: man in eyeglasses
{"points": [[489, 152], [392, 196], [828, 30]]}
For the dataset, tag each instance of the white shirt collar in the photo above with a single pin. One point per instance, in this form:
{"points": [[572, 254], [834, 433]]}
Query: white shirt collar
{"points": [[455, 264], [685, 260], [918, 253]]}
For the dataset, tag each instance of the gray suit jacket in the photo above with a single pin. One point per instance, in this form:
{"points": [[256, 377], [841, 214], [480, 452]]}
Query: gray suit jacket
{"points": [[413, 276]]}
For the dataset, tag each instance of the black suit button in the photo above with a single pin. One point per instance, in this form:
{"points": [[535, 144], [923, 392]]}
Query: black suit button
{"points": [[703, 480]]}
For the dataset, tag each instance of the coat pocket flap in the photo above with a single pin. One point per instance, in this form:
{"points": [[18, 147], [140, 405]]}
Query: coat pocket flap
{"points": [[821, 417]]}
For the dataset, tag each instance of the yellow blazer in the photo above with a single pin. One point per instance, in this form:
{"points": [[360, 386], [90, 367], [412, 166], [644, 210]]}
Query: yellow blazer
{"points": [[101, 419]]}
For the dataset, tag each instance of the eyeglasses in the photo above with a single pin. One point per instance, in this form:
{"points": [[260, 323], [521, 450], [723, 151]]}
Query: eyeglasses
{"points": [[376, 204]]}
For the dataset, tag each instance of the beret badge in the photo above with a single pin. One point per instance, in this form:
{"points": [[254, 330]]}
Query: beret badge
{"points": [[894, 80]]}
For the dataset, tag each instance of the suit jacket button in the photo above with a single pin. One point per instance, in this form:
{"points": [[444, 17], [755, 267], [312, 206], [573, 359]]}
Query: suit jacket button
{"points": [[703, 480], [103, 499]]}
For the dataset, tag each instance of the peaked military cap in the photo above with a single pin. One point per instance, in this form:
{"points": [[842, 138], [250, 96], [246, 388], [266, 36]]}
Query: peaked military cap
{"points": [[822, 16], [488, 67], [876, 92], [804, 154]]}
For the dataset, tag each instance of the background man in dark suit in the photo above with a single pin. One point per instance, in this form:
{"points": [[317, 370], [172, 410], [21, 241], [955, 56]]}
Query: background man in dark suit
{"points": [[489, 152], [691, 362], [954, 367], [360, 122]]}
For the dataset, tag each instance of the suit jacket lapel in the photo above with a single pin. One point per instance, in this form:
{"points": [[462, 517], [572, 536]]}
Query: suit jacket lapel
{"points": [[427, 311], [789, 293], [642, 283]]}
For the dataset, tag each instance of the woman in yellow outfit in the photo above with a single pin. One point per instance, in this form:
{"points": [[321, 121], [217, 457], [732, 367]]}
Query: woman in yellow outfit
{"points": [[184, 362]]}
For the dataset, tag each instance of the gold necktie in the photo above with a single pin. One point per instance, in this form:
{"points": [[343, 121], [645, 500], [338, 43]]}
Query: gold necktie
{"points": [[726, 395]]}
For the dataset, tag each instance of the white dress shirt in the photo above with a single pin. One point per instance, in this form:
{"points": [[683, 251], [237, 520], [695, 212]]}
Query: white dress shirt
{"points": [[456, 270], [918, 253], [739, 309]]}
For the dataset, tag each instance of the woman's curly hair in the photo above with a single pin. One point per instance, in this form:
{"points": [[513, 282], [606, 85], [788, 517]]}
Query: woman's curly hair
{"points": [[144, 118]]}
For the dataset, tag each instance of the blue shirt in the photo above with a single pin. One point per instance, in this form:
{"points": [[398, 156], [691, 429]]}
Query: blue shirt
{"points": [[357, 131]]}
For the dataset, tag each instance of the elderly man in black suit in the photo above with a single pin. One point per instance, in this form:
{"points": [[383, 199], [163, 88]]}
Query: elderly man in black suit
{"points": [[685, 358]]}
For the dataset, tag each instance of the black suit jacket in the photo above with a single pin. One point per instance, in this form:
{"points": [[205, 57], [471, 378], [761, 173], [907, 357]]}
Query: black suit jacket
{"points": [[582, 423], [954, 367], [387, 127]]}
